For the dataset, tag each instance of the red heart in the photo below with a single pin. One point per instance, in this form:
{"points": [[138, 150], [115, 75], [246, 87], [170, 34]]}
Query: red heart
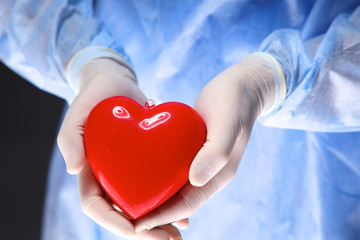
{"points": [[141, 156]]}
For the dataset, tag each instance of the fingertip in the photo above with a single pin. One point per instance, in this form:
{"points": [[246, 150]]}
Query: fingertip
{"points": [[208, 162], [172, 231], [198, 176], [74, 156], [71, 171], [75, 161], [182, 224], [74, 170], [200, 172]]}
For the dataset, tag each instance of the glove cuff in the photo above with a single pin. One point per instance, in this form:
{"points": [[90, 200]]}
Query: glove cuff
{"points": [[279, 77], [81, 58]]}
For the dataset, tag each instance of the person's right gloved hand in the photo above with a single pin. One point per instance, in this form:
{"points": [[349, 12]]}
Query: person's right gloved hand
{"points": [[229, 105], [98, 79]]}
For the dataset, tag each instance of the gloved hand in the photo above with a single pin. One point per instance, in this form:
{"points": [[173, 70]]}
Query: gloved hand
{"points": [[98, 79], [229, 105]]}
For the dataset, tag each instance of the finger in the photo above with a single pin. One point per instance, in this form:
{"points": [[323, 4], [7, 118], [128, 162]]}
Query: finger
{"points": [[173, 232], [94, 205], [224, 127], [190, 198], [70, 138], [152, 234], [182, 224], [71, 147], [180, 206]]}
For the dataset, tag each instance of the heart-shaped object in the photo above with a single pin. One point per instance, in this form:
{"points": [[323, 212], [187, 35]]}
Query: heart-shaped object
{"points": [[141, 156]]}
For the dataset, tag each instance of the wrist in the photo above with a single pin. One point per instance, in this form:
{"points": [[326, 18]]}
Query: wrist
{"points": [[265, 82], [273, 85], [104, 69], [95, 60]]}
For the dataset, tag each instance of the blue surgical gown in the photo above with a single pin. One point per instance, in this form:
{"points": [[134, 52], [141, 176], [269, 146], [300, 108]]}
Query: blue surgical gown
{"points": [[300, 175]]}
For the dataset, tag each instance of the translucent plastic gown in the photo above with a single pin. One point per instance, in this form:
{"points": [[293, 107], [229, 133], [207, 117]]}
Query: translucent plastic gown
{"points": [[300, 174]]}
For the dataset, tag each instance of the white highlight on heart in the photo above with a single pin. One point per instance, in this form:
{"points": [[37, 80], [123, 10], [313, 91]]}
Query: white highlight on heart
{"points": [[120, 112], [156, 120]]}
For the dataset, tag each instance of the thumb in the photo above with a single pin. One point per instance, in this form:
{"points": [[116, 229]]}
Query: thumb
{"points": [[223, 130], [70, 142], [70, 139]]}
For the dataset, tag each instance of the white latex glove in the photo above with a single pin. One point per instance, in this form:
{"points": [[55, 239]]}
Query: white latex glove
{"points": [[229, 105], [98, 79]]}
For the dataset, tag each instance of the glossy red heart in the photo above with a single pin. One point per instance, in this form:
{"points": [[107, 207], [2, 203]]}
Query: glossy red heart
{"points": [[141, 156]]}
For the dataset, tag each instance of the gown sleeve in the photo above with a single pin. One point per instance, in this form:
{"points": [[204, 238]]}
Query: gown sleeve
{"points": [[322, 77], [38, 38]]}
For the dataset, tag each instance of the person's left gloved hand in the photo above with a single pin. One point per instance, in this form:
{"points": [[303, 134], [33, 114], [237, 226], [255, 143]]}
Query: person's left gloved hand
{"points": [[229, 105], [99, 79]]}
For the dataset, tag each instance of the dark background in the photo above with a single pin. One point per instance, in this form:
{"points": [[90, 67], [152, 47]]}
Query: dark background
{"points": [[29, 121]]}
